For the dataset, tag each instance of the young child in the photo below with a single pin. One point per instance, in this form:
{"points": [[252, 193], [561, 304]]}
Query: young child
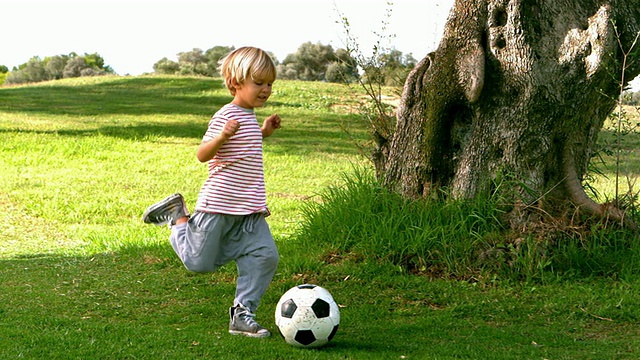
{"points": [[228, 223]]}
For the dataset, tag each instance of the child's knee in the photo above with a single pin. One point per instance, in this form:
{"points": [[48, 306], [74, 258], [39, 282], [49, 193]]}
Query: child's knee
{"points": [[271, 258], [200, 266]]}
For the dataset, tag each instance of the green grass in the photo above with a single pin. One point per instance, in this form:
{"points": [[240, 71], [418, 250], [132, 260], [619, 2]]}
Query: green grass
{"points": [[619, 138], [81, 277]]}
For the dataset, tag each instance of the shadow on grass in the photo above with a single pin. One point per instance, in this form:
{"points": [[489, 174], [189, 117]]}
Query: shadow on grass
{"points": [[302, 133], [55, 305], [288, 141], [138, 131], [132, 96]]}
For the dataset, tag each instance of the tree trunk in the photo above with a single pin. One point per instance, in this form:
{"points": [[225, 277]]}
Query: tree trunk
{"points": [[516, 88]]}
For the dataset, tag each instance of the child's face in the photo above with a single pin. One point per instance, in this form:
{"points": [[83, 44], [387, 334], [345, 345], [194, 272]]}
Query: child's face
{"points": [[252, 93]]}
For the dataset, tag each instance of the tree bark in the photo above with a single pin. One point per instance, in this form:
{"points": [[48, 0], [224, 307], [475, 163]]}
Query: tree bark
{"points": [[516, 88]]}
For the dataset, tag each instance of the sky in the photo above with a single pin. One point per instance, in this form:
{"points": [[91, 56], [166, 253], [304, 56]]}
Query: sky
{"points": [[132, 35]]}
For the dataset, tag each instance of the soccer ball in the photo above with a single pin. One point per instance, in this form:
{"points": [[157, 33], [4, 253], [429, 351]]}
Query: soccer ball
{"points": [[307, 316]]}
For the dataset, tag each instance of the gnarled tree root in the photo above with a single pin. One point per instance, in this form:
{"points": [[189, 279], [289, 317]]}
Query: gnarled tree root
{"points": [[579, 197]]}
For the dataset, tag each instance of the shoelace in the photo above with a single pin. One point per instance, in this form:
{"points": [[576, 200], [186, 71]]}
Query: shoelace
{"points": [[164, 218], [249, 319]]}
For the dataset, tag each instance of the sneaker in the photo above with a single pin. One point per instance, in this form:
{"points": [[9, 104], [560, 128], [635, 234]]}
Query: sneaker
{"points": [[166, 211], [242, 322]]}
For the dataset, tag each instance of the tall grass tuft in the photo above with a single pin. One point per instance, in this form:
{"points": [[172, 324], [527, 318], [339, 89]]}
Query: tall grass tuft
{"points": [[359, 220], [604, 253]]}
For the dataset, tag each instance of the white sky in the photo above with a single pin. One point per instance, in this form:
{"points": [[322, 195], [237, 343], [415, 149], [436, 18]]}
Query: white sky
{"points": [[132, 35]]}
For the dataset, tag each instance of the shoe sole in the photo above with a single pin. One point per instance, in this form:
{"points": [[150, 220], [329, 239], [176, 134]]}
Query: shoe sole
{"points": [[249, 334], [150, 213]]}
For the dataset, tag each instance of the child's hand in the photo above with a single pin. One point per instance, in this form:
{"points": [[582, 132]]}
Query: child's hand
{"points": [[270, 125], [273, 121], [230, 128]]}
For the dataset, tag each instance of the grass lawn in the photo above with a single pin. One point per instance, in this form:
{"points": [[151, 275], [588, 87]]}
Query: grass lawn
{"points": [[82, 277]]}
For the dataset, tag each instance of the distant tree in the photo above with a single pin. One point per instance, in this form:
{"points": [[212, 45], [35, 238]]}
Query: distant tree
{"points": [[16, 77], [57, 67], [344, 70], [35, 70], [91, 71], [336, 72], [193, 62], [54, 66], [632, 98], [87, 65], [166, 67], [96, 62], [4, 71], [73, 67], [310, 62], [389, 68], [31, 71], [213, 56], [287, 71]]}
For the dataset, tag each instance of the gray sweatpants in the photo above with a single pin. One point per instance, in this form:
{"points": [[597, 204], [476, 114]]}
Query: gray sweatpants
{"points": [[208, 241]]}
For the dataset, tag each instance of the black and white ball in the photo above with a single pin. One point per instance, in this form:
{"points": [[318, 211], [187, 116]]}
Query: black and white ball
{"points": [[307, 316]]}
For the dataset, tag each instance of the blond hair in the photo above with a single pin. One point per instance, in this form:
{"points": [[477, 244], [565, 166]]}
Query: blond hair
{"points": [[247, 63]]}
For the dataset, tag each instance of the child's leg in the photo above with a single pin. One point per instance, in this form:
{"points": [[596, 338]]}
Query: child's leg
{"points": [[198, 242], [257, 265]]}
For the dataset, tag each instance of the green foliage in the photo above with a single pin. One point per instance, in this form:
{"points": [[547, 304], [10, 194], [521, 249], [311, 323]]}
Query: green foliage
{"points": [[55, 66], [194, 62], [631, 98], [348, 68], [312, 63], [58, 67], [388, 68], [3, 73], [215, 54], [166, 67]]}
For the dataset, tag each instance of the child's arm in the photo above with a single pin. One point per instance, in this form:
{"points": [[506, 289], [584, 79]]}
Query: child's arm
{"points": [[270, 125], [208, 149]]}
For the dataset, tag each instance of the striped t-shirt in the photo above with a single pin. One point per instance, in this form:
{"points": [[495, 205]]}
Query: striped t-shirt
{"points": [[236, 178]]}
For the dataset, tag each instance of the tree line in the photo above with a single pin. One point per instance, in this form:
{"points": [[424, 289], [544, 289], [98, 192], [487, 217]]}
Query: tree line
{"points": [[311, 62], [56, 67], [632, 98]]}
